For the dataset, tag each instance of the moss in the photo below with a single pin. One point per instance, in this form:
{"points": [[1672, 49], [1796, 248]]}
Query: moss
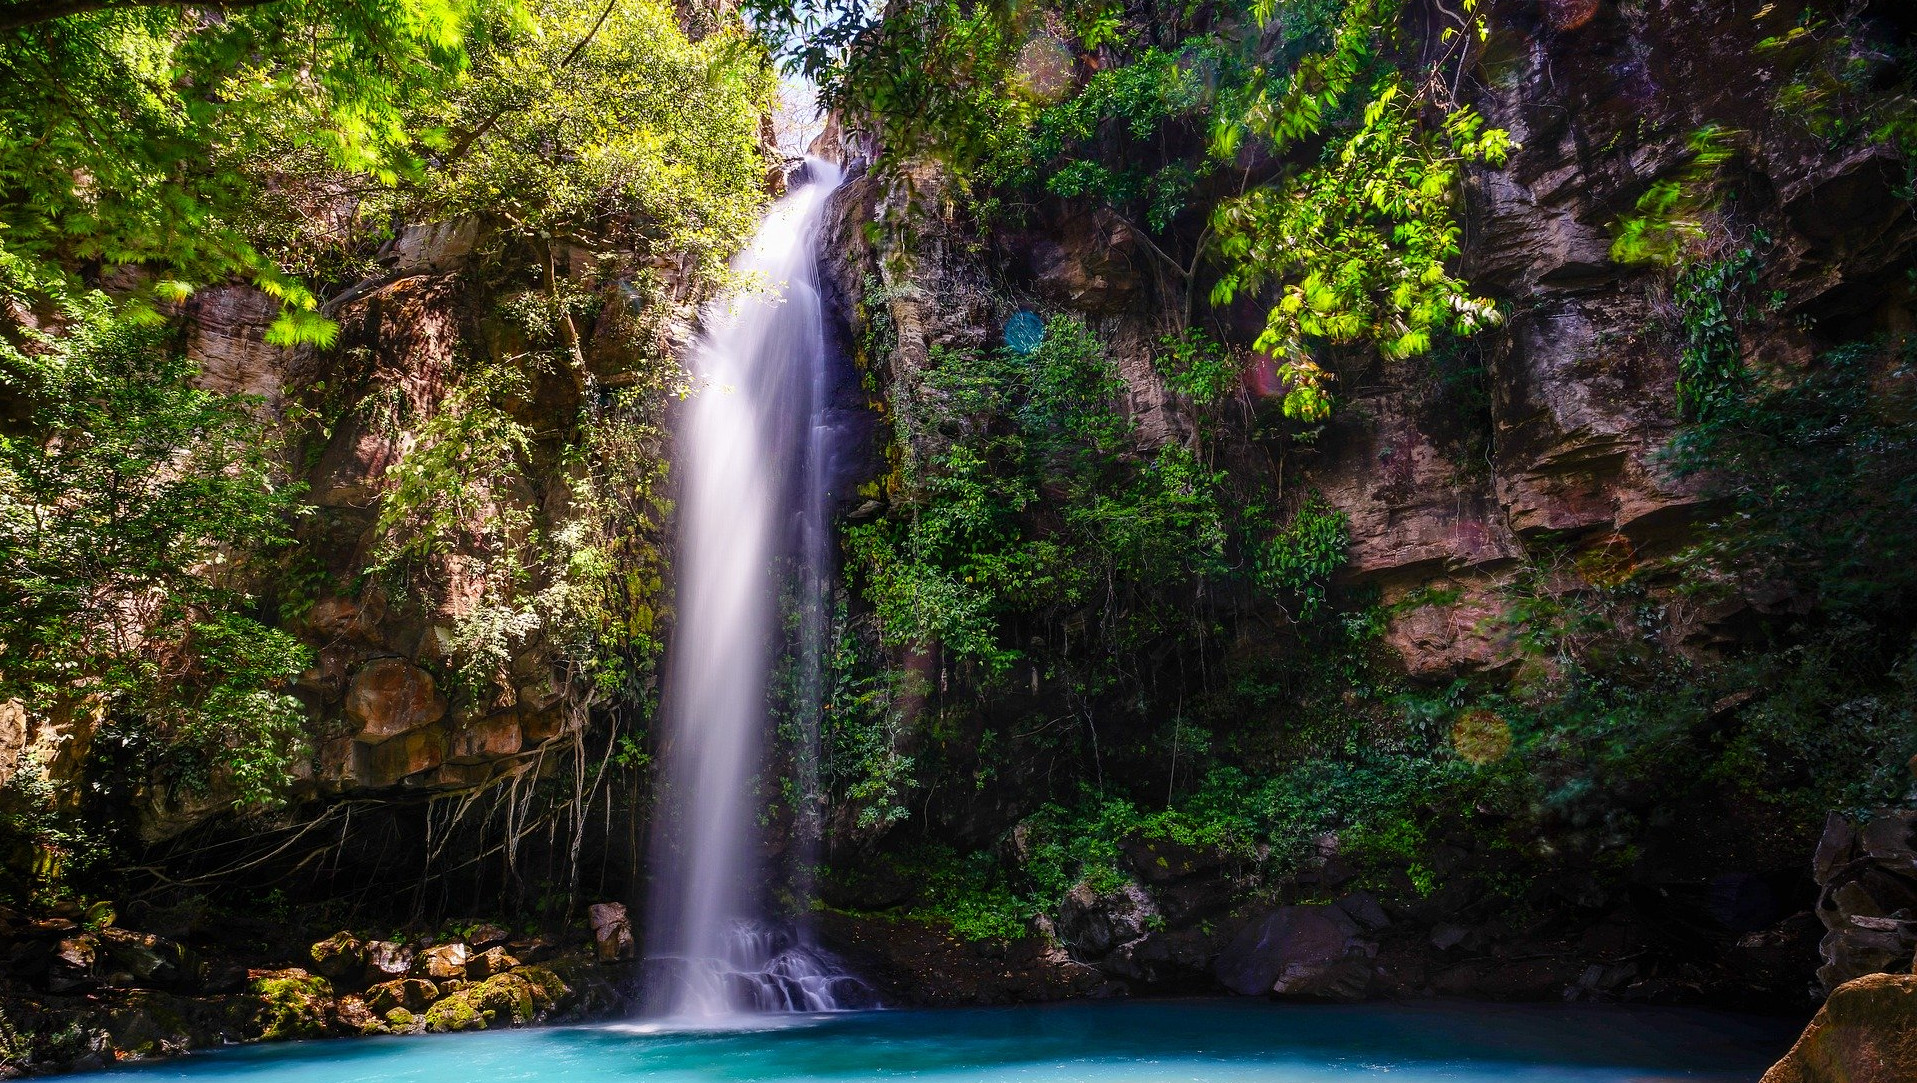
{"points": [[455, 1013], [293, 1004], [549, 990], [150, 1024], [504, 998]]}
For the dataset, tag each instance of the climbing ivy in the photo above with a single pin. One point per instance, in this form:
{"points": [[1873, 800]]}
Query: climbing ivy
{"points": [[1709, 296], [1299, 560]]}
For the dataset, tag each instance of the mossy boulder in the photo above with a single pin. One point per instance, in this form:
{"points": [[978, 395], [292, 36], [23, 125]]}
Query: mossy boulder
{"points": [[413, 994], [501, 1000], [152, 1024], [293, 1004], [341, 957]]}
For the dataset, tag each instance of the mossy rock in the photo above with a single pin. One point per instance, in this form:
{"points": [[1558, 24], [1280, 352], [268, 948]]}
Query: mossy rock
{"points": [[549, 989], [293, 1004], [502, 1000], [150, 1024], [455, 1013]]}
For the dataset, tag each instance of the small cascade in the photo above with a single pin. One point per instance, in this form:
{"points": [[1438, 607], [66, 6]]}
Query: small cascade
{"points": [[756, 448], [766, 967]]}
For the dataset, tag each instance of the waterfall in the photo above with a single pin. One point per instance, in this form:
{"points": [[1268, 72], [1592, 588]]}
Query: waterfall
{"points": [[755, 451]]}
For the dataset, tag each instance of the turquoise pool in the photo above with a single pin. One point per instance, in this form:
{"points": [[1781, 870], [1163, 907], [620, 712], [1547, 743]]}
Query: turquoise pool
{"points": [[1159, 1041]]}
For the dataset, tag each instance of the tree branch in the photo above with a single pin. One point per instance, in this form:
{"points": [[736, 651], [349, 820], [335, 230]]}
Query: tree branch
{"points": [[22, 13], [466, 142]]}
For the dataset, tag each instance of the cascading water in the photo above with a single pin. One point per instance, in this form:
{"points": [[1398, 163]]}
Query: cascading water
{"points": [[755, 446]]}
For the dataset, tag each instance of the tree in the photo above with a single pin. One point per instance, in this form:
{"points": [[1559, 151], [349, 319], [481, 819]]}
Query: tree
{"points": [[133, 508], [152, 136]]}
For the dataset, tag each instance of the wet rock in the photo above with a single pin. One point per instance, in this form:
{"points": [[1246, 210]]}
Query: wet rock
{"points": [[488, 963], [486, 935], [1363, 907], [386, 959], [390, 697], [502, 1000], [485, 739], [407, 756], [340, 957], [292, 1004], [1308, 952], [344, 765], [353, 1016], [72, 964], [413, 994], [611, 931], [145, 958], [1865, 1033], [443, 963]]}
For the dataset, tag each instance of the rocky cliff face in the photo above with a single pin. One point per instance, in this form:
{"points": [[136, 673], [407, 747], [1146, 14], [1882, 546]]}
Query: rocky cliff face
{"points": [[1532, 460]]}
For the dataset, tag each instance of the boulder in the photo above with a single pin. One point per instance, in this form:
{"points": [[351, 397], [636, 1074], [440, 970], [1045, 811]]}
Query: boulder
{"points": [[356, 1018], [390, 697], [340, 957], [1865, 1033], [412, 994], [387, 959], [292, 1004], [486, 935], [611, 931], [145, 958], [502, 1000], [1094, 923], [1867, 873], [445, 962], [488, 963], [71, 968], [484, 739], [1161, 861], [1308, 952], [407, 755]]}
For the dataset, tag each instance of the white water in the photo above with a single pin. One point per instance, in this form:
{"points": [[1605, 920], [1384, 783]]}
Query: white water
{"points": [[752, 445]]}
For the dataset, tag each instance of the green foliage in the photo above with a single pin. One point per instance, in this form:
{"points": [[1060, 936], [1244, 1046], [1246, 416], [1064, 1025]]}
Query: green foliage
{"points": [[1819, 469], [969, 894], [1710, 367], [1844, 83], [1376, 805], [1668, 219], [1353, 229], [863, 730], [1358, 245], [1105, 142], [965, 553], [1299, 560], [154, 136], [455, 488], [1197, 367], [587, 121], [133, 511]]}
